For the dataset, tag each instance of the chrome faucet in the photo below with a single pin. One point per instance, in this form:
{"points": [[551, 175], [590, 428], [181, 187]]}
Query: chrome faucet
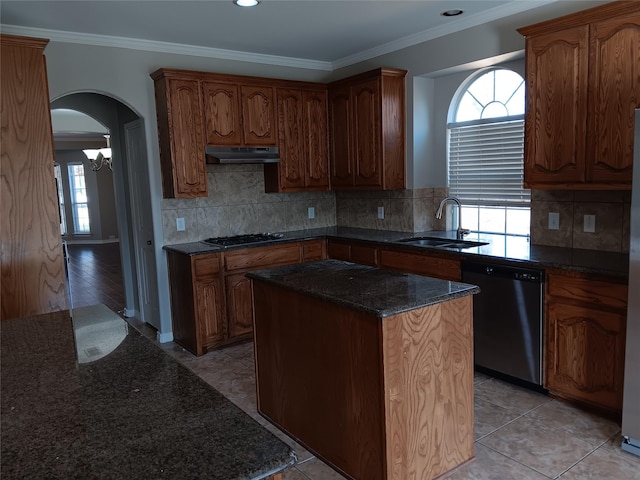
{"points": [[461, 232]]}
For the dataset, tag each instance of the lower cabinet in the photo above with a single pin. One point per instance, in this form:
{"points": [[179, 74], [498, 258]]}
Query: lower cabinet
{"points": [[353, 252], [585, 339], [211, 299], [432, 265]]}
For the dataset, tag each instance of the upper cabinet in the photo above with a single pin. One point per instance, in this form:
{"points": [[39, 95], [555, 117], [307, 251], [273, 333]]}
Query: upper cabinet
{"points": [[583, 85], [237, 114], [302, 140], [367, 131]]}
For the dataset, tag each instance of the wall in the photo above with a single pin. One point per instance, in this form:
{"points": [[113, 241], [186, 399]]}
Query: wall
{"points": [[611, 208], [102, 205]]}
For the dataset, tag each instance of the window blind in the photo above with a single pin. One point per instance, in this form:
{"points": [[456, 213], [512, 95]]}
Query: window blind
{"points": [[486, 163]]}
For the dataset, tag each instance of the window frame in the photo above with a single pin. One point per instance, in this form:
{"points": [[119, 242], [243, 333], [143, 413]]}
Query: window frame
{"points": [[77, 205]]}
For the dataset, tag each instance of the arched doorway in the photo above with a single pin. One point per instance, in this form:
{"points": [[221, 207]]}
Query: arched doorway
{"points": [[132, 198]]}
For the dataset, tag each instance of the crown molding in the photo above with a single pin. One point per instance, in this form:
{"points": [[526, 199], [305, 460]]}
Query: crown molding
{"points": [[164, 47], [486, 16]]}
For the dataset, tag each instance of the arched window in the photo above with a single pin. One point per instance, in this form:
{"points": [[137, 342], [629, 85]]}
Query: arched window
{"points": [[486, 153]]}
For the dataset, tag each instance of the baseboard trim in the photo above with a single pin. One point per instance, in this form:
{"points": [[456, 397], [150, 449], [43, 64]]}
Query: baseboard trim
{"points": [[91, 242]]}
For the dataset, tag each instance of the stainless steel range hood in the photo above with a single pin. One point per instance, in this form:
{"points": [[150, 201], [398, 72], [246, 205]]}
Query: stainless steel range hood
{"points": [[242, 155]]}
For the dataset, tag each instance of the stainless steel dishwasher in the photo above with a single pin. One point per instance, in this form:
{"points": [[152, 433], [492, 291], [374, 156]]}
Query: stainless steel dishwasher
{"points": [[507, 320]]}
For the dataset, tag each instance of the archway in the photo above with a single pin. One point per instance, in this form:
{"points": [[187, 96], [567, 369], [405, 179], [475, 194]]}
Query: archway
{"points": [[132, 198]]}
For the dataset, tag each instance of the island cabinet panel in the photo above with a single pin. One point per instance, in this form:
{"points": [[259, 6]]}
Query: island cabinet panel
{"points": [[179, 111], [585, 339], [302, 141], [583, 85], [31, 256], [367, 131], [366, 394], [431, 265]]}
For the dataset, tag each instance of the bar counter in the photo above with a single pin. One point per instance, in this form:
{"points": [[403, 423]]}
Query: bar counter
{"points": [[94, 399]]}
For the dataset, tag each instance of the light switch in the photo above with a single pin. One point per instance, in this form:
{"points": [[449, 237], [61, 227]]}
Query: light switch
{"points": [[311, 212], [589, 223], [554, 220], [180, 224], [381, 213]]}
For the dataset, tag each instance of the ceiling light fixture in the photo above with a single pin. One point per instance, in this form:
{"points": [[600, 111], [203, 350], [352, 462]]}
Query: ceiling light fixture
{"points": [[246, 3], [452, 13], [99, 157]]}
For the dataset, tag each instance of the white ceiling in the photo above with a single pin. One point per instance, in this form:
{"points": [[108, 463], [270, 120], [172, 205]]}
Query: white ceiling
{"points": [[321, 34]]}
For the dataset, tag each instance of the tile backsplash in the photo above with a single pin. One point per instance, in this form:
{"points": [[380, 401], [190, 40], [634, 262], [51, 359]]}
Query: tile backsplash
{"points": [[237, 204], [612, 210]]}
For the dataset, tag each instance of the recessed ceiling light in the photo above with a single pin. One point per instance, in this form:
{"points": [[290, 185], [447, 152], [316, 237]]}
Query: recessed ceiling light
{"points": [[452, 13], [246, 3]]}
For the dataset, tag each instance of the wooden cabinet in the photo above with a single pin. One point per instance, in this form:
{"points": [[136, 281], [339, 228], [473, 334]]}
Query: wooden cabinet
{"points": [[302, 140], [181, 135], [197, 301], [237, 114], [367, 131], [350, 251], [585, 338], [430, 264], [31, 257], [211, 299], [583, 84]]}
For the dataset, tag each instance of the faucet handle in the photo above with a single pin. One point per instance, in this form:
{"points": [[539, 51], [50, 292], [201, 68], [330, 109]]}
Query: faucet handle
{"points": [[461, 232]]}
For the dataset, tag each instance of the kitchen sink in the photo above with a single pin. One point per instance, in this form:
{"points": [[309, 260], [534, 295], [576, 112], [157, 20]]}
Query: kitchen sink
{"points": [[441, 242]]}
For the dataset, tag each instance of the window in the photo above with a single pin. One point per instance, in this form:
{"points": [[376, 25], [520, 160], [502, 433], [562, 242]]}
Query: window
{"points": [[486, 154], [79, 201], [57, 172]]}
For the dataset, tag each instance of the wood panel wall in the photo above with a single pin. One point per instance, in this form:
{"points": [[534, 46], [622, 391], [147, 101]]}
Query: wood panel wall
{"points": [[32, 263]]}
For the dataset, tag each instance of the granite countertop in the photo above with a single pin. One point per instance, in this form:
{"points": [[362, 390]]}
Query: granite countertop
{"points": [[505, 249], [376, 291], [111, 405]]}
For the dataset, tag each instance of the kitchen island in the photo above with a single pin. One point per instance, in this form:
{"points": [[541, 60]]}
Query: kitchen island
{"points": [[95, 399], [370, 369]]}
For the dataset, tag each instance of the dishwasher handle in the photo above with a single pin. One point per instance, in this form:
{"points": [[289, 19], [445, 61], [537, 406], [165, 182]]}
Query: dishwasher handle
{"points": [[504, 271]]}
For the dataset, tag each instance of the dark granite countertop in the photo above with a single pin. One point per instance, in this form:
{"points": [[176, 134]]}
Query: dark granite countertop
{"points": [[379, 292], [133, 413], [501, 248]]}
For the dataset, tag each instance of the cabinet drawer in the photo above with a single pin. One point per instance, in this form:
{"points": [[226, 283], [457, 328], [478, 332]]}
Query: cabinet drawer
{"points": [[313, 250], [339, 251], [206, 265], [364, 255], [263, 256], [431, 266], [596, 292]]}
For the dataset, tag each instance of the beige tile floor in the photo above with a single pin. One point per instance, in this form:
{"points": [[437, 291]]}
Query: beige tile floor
{"points": [[520, 434]]}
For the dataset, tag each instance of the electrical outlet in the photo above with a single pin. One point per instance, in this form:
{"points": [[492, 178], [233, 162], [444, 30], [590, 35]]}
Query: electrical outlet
{"points": [[381, 213], [589, 223], [180, 224], [311, 212], [554, 221]]}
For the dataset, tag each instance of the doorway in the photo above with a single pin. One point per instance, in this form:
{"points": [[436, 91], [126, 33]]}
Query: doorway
{"points": [[131, 261]]}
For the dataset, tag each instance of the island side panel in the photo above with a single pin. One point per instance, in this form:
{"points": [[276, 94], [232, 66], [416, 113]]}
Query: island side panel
{"points": [[428, 370], [319, 377]]}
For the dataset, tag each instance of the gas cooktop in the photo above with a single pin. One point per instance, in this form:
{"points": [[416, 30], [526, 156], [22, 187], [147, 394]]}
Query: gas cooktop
{"points": [[244, 239]]}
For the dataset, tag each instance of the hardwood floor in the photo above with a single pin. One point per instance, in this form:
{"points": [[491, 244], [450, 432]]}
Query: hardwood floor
{"points": [[95, 276]]}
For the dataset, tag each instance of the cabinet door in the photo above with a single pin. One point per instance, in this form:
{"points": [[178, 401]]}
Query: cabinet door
{"points": [[585, 353], [340, 134], [222, 113], [258, 115], [210, 303], [187, 139], [614, 81], [316, 139], [367, 151], [555, 122], [291, 169], [239, 305], [421, 264]]}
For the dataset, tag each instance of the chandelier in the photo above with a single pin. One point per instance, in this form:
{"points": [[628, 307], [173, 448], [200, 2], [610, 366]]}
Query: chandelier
{"points": [[99, 157]]}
